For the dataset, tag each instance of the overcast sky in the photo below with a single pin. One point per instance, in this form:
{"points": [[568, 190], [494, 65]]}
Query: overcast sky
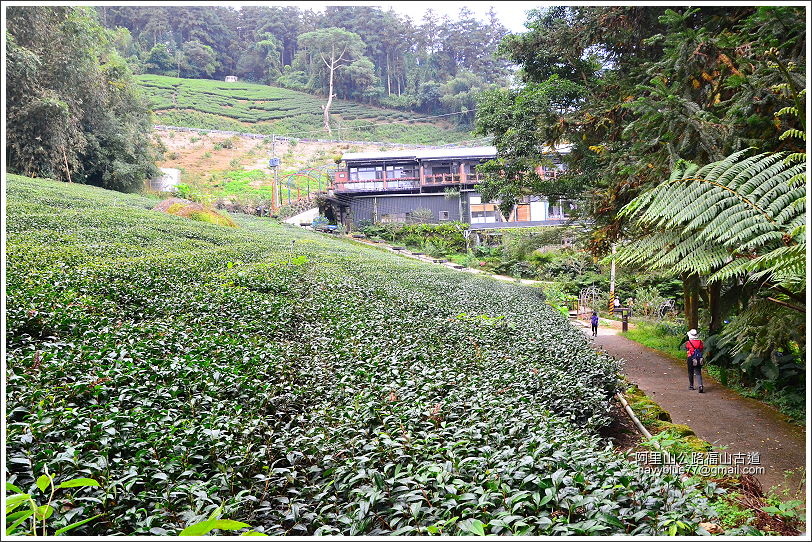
{"points": [[511, 14]]}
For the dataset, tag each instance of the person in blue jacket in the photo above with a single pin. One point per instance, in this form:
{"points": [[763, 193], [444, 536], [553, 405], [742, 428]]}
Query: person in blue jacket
{"points": [[594, 321]]}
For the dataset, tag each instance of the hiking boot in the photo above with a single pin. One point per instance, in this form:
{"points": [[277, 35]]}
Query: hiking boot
{"points": [[701, 389], [691, 388]]}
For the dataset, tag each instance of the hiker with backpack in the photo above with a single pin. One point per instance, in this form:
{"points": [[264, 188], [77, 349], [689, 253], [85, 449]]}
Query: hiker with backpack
{"points": [[594, 321], [694, 348]]}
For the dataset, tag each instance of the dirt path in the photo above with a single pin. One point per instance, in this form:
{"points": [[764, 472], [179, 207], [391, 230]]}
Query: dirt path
{"points": [[719, 415]]}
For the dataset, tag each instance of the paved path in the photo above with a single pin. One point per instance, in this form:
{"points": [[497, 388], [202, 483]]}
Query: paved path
{"points": [[719, 415]]}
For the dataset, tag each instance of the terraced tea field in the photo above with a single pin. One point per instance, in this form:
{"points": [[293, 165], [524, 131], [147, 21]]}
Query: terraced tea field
{"points": [[305, 384], [250, 107]]}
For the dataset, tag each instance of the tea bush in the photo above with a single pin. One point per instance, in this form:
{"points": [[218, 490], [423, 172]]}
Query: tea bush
{"points": [[303, 383], [250, 107]]}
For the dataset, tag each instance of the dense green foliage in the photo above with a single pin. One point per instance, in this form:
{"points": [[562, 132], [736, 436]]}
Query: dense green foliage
{"points": [[740, 222], [73, 111], [249, 107], [305, 383], [434, 239], [636, 88], [435, 66], [638, 91], [23, 510]]}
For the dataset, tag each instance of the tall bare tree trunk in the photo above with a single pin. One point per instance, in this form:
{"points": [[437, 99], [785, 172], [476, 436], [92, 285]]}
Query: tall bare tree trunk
{"points": [[715, 306], [329, 100], [388, 78], [67, 167]]}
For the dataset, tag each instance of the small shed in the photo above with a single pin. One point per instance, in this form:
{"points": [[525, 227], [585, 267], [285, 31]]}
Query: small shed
{"points": [[231, 78]]}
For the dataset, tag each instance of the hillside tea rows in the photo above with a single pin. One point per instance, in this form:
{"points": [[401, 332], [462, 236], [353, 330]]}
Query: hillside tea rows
{"points": [[251, 107], [311, 385]]}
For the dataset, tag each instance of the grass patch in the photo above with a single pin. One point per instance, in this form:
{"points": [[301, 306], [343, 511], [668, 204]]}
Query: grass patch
{"points": [[195, 211], [212, 217], [658, 338]]}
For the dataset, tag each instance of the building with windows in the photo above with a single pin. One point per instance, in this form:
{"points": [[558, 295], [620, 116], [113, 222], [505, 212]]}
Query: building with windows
{"points": [[431, 185]]}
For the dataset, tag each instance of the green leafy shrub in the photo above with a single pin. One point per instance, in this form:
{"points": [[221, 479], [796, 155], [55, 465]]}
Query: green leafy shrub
{"points": [[443, 239], [519, 243], [647, 301], [306, 384], [558, 297], [42, 516], [319, 221], [184, 191]]}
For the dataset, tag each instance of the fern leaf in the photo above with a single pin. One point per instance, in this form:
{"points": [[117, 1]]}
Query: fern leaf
{"points": [[793, 132]]}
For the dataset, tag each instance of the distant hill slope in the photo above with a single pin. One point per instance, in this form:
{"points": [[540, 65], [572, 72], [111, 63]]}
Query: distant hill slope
{"points": [[249, 107]]}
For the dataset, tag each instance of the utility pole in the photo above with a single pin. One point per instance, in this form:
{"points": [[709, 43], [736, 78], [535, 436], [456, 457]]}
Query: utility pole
{"points": [[273, 163]]}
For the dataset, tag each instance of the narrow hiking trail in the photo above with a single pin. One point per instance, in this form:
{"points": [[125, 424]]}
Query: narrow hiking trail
{"points": [[719, 416]]}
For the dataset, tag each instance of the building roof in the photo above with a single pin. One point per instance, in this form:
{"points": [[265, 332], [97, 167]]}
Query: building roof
{"points": [[457, 152], [378, 155], [430, 154]]}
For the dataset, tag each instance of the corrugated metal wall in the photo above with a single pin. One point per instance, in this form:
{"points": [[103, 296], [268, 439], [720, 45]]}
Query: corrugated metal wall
{"points": [[394, 208]]}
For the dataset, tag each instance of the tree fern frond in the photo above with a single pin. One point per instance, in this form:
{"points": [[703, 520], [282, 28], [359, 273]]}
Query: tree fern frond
{"points": [[782, 264], [714, 219], [798, 231], [741, 197], [787, 110], [784, 201], [765, 239], [793, 132], [766, 194]]}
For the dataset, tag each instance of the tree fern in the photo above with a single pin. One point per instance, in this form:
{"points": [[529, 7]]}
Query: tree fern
{"points": [[741, 215]]}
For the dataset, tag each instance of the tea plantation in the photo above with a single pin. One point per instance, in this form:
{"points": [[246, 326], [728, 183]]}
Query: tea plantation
{"points": [[309, 385], [250, 107]]}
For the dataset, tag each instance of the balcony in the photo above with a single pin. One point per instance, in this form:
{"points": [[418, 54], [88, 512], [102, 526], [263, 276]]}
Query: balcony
{"points": [[403, 183]]}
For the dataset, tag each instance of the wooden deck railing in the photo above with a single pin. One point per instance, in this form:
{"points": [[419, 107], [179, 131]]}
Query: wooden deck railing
{"points": [[405, 183]]}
